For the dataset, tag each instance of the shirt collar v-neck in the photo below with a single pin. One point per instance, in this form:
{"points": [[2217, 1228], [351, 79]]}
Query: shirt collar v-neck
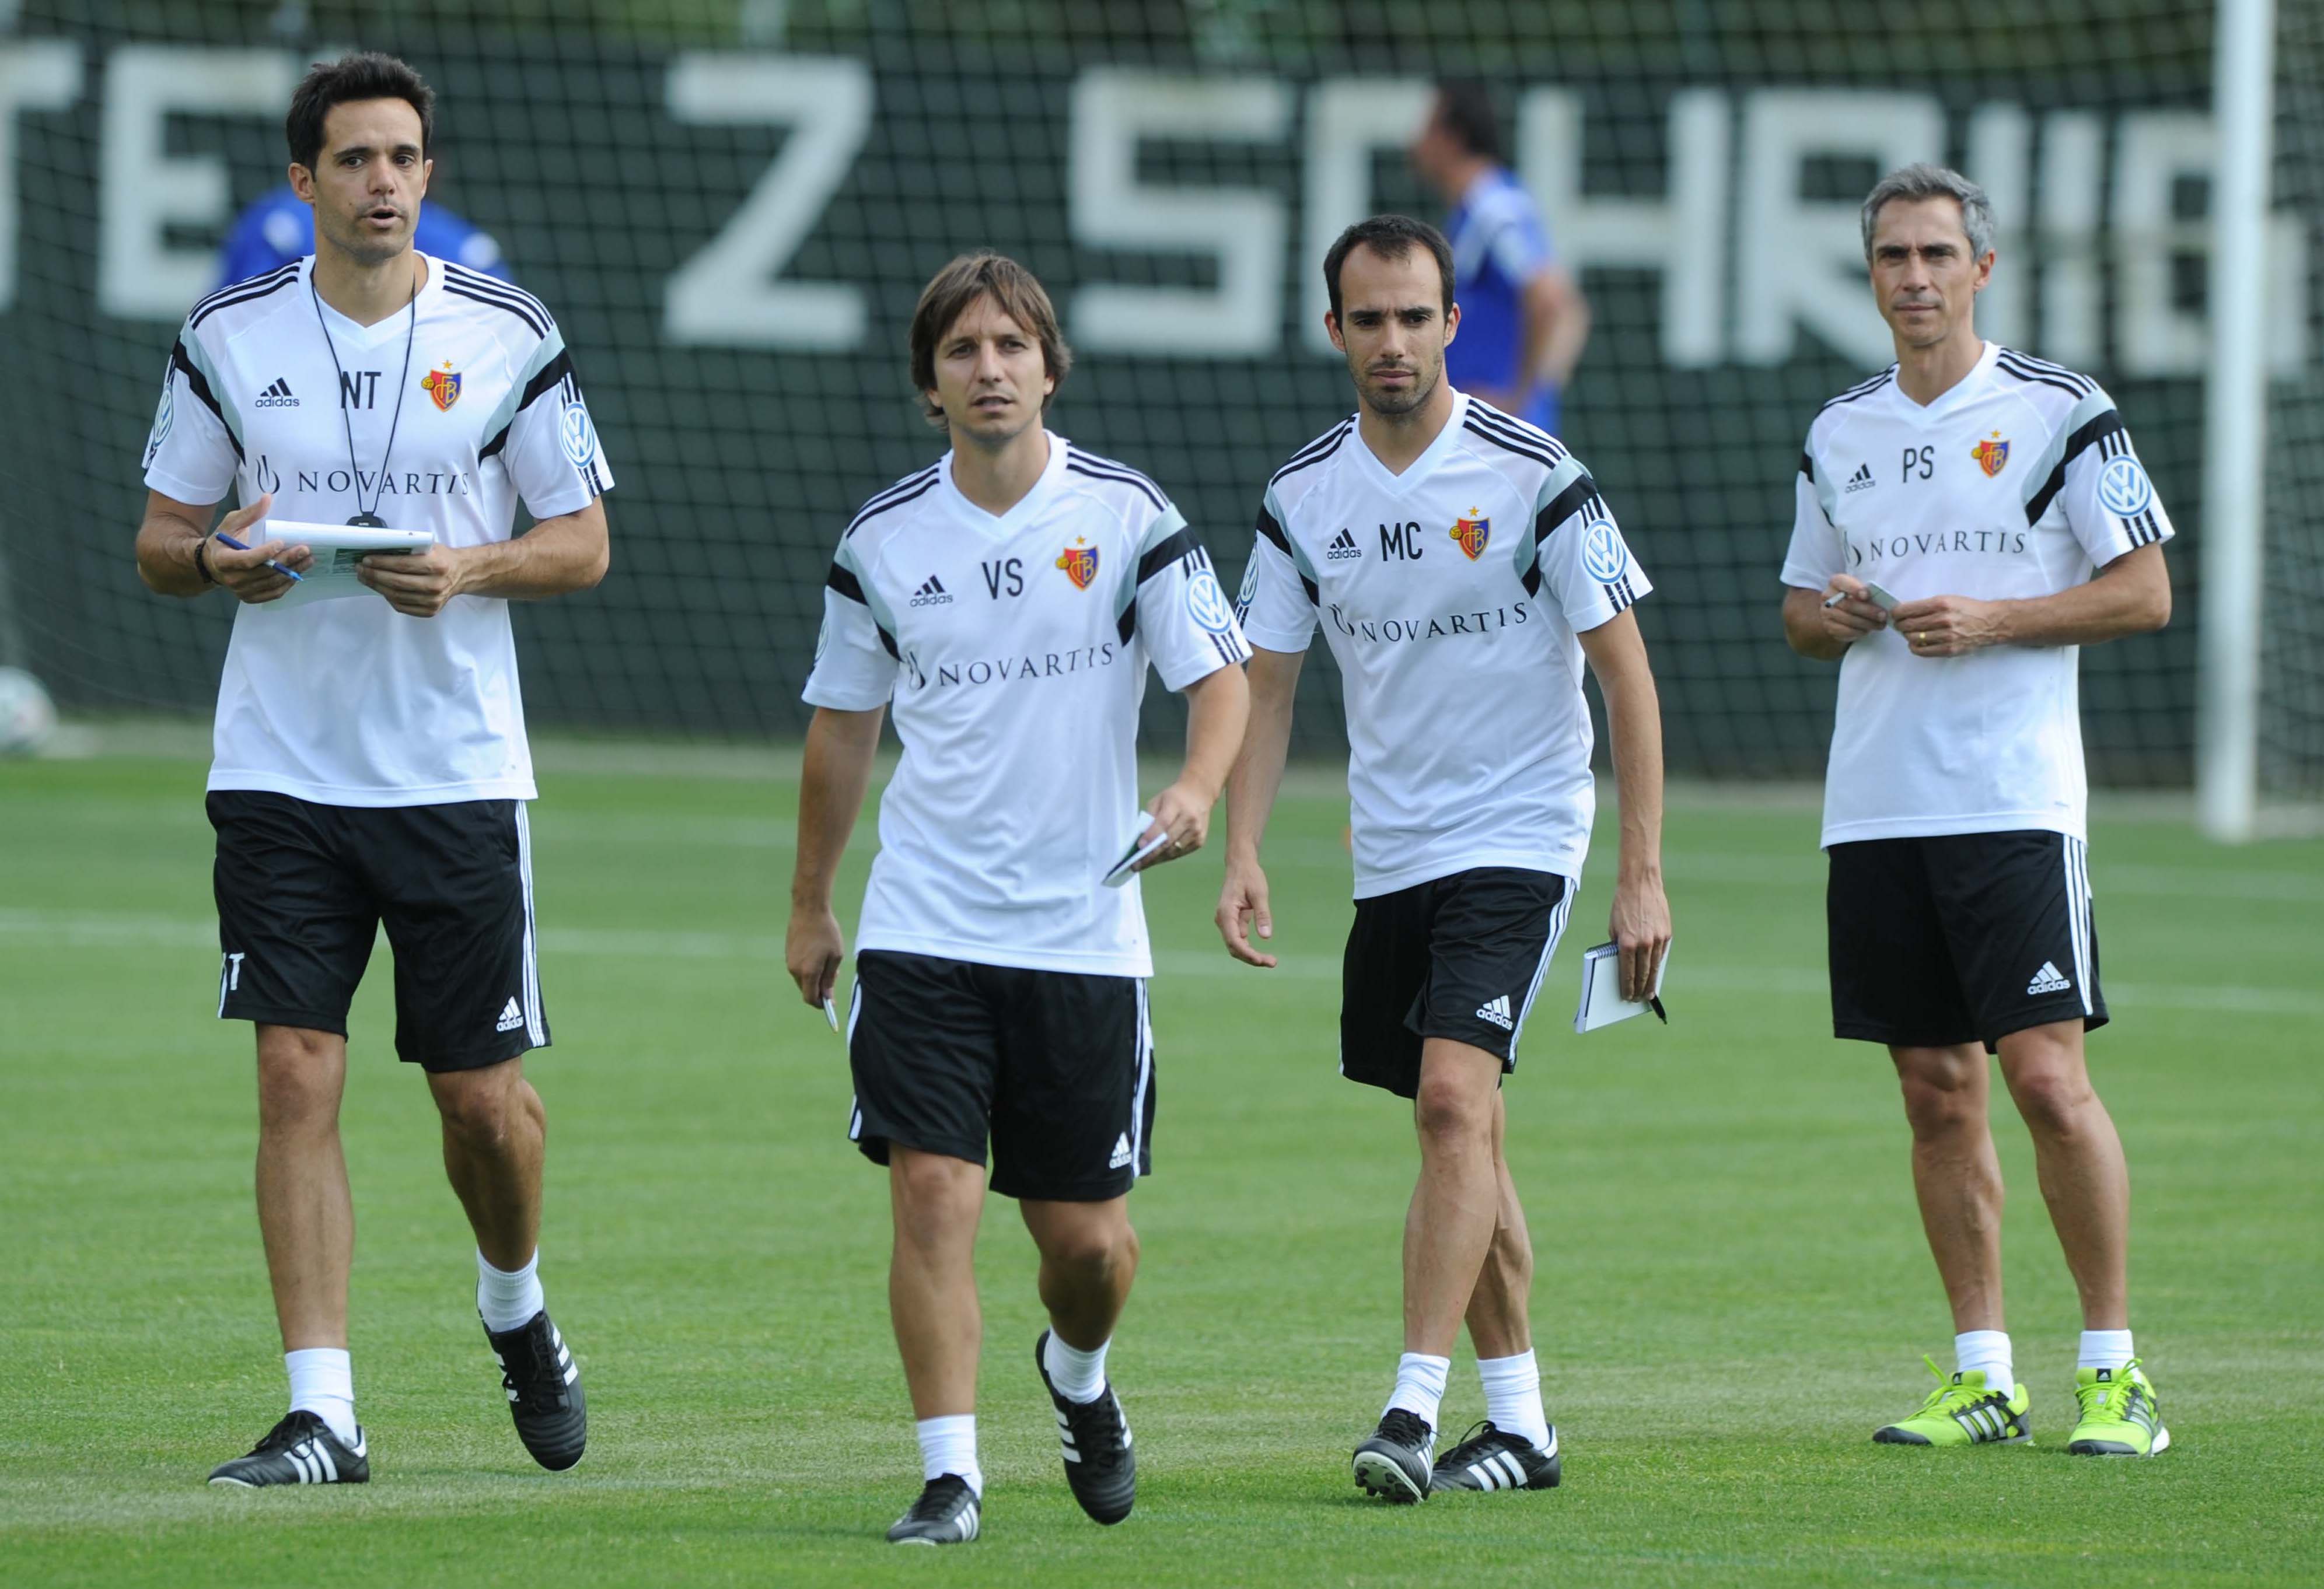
{"points": [[1420, 468], [346, 331], [1023, 509], [1960, 392]]}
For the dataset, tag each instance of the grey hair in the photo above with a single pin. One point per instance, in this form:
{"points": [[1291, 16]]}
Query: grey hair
{"points": [[1924, 181]]}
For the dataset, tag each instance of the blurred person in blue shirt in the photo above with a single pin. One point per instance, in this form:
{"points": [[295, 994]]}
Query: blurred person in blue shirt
{"points": [[277, 227], [1523, 317]]}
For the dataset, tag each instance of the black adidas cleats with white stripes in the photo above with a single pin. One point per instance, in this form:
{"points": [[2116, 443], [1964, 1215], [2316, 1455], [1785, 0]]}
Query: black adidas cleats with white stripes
{"points": [[946, 1513], [300, 1450], [1394, 1465], [1101, 1468], [544, 1391], [1492, 1458]]}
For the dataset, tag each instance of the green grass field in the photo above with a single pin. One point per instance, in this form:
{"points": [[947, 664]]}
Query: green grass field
{"points": [[1733, 1291]]}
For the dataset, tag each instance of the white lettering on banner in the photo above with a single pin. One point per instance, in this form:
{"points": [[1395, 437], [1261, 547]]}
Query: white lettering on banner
{"points": [[727, 295], [41, 75], [1350, 119], [2000, 148], [2073, 181], [1242, 230], [1799, 263], [1684, 236], [2154, 151], [145, 190]]}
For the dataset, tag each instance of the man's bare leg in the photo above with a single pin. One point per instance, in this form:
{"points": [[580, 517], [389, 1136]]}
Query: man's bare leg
{"points": [[2078, 1155], [306, 1213], [938, 1202], [1089, 1256], [1955, 1176], [495, 1140]]}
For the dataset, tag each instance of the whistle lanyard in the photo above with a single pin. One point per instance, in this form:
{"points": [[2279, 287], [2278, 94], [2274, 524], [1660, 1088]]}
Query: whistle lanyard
{"points": [[371, 518]]}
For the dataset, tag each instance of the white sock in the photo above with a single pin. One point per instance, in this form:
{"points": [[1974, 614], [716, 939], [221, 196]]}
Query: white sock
{"points": [[508, 1298], [1987, 1349], [1079, 1376], [2105, 1348], [948, 1446], [1513, 1396], [1419, 1385], [323, 1383]]}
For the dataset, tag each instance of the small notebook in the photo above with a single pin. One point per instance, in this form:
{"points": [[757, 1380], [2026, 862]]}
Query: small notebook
{"points": [[1126, 867], [339, 549], [1602, 1002]]}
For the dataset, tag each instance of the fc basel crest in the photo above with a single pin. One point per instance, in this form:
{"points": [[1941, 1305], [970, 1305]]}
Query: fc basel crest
{"points": [[443, 385], [1080, 564], [1991, 455], [1471, 534]]}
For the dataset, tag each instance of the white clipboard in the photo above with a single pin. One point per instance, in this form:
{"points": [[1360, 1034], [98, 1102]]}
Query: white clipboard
{"points": [[338, 548], [1602, 1003]]}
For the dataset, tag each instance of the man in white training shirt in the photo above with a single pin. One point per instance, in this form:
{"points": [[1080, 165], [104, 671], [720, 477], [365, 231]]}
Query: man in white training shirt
{"points": [[1462, 566], [1966, 521], [371, 765], [1006, 600]]}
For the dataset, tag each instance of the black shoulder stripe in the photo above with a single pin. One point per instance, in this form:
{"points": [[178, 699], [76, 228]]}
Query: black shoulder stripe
{"points": [[2010, 355], [1168, 550], [839, 579], [533, 322], [1315, 452], [1807, 466], [2037, 377], [198, 384], [246, 292], [894, 498], [2101, 430], [1506, 444], [1563, 507], [1274, 532], [1153, 494], [1116, 467], [559, 370], [494, 286], [1516, 430], [1857, 393]]}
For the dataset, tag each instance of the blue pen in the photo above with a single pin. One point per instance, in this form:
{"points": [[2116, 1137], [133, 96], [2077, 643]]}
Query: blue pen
{"points": [[224, 539]]}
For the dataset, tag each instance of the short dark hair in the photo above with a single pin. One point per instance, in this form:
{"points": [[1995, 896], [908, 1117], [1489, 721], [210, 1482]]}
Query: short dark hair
{"points": [[1392, 238], [369, 75], [1015, 290], [1466, 108]]}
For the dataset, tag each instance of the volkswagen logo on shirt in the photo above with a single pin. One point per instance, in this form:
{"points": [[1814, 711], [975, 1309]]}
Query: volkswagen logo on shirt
{"points": [[2124, 489], [1604, 557], [1207, 604], [580, 436]]}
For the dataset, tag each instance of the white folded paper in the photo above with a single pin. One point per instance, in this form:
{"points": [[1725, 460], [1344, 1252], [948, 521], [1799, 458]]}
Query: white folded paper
{"points": [[1126, 867], [1602, 1002], [338, 548]]}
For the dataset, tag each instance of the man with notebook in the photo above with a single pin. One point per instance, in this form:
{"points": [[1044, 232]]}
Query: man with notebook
{"points": [[1463, 568]]}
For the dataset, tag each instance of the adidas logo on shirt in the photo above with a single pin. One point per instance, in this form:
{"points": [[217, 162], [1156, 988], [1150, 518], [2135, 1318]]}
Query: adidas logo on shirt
{"points": [[1861, 480], [1343, 547], [277, 396], [2048, 980], [931, 594], [1121, 1152], [1498, 1012], [510, 1018]]}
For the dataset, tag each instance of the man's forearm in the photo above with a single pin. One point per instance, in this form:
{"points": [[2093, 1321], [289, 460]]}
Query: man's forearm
{"points": [[166, 544], [2129, 596], [834, 775], [555, 557], [1257, 774], [1633, 723], [1218, 708]]}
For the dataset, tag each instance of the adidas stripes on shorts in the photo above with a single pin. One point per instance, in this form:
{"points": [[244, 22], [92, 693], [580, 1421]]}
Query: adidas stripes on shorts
{"points": [[1054, 1068], [303, 889], [1459, 957], [1961, 938]]}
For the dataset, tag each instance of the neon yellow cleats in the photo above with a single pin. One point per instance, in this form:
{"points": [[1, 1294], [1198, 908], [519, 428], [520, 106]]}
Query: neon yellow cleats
{"points": [[1962, 1411], [2120, 1416]]}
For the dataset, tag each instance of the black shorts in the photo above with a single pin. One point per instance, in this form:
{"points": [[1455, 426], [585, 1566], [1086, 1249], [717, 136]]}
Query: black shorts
{"points": [[1055, 1067], [1459, 957], [303, 888], [1961, 938]]}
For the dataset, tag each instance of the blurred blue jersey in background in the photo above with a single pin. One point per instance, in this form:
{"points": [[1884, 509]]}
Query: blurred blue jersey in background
{"points": [[1499, 244], [278, 227]]}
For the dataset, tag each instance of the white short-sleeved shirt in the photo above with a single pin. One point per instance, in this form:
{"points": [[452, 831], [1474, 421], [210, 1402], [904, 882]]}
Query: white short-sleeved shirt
{"points": [[350, 702], [2019, 482], [1014, 650], [1451, 596]]}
